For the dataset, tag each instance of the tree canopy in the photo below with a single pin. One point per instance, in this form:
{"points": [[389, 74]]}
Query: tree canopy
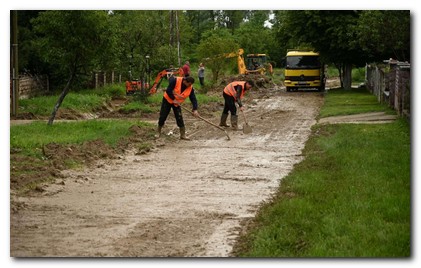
{"points": [[55, 41]]}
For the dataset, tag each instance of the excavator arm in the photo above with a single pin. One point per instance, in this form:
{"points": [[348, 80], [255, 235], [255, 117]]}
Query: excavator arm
{"points": [[161, 75], [240, 60], [242, 69]]}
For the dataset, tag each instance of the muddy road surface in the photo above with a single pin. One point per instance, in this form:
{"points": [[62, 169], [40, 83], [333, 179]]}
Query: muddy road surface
{"points": [[185, 198]]}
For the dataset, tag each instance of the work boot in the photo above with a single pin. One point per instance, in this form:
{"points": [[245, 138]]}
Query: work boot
{"points": [[223, 122], [234, 122], [159, 132], [183, 134]]}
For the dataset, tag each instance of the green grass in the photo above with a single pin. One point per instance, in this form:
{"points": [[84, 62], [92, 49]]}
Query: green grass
{"points": [[138, 106], [84, 101], [350, 197], [112, 90], [354, 101], [204, 99], [358, 75], [332, 72], [30, 137], [44, 105]]}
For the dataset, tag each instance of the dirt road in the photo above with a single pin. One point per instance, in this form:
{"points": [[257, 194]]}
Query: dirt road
{"points": [[185, 198]]}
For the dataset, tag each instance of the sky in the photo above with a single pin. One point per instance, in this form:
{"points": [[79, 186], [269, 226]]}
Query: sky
{"points": [[8, 5]]}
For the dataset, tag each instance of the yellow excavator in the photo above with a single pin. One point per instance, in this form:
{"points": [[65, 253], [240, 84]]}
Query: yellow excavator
{"points": [[256, 63]]}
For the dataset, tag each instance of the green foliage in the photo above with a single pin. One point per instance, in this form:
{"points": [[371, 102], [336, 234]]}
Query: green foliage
{"points": [[72, 40], [213, 48], [253, 39], [257, 18], [232, 18], [330, 32], [332, 72], [166, 56], [142, 33], [385, 33], [358, 75], [201, 21], [59, 41]]}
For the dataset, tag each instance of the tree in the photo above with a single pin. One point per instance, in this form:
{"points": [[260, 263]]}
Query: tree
{"points": [[229, 19], [257, 18], [331, 32], [28, 58], [233, 19], [385, 34], [200, 21], [212, 50], [73, 40], [253, 36]]}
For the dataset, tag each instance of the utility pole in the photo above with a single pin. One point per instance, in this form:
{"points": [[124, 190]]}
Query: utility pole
{"points": [[14, 63], [178, 38], [172, 28]]}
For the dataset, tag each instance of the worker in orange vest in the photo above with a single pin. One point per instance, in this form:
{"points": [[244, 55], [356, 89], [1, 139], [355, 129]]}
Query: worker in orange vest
{"points": [[233, 93], [178, 90]]}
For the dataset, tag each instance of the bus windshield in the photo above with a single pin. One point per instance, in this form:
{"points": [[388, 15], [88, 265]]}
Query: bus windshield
{"points": [[303, 62]]}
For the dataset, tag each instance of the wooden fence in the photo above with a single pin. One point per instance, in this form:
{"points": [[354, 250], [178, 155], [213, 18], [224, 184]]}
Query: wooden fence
{"points": [[102, 78], [390, 82], [33, 85], [36, 85]]}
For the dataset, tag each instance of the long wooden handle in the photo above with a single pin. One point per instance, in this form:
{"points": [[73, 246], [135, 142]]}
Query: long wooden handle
{"points": [[207, 121]]}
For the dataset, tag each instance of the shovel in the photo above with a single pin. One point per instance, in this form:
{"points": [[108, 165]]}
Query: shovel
{"points": [[207, 121], [246, 128]]}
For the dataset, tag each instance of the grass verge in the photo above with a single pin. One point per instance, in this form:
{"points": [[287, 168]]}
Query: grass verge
{"points": [[38, 151], [30, 137], [350, 197], [355, 101]]}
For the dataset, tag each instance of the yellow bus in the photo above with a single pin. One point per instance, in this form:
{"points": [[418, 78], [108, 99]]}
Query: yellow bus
{"points": [[303, 70]]}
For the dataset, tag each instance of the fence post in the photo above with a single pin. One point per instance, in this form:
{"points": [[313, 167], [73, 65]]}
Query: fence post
{"points": [[391, 87], [96, 80], [404, 78]]}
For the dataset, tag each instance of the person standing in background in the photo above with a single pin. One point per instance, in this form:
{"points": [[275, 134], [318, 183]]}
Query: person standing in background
{"points": [[186, 69], [201, 74]]}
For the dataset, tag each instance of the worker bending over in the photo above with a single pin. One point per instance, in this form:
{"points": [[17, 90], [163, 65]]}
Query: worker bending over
{"points": [[178, 90], [233, 93]]}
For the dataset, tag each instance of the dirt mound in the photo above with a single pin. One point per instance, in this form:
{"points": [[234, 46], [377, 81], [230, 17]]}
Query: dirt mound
{"points": [[85, 153], [36, 171], [24, 116]]}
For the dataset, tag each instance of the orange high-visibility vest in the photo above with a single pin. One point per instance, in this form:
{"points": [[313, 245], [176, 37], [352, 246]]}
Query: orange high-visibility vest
{"points": [[179, 96], [230, 90]]}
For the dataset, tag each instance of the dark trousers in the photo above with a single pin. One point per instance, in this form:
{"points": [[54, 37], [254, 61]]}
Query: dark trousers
{"points": [[165, 111], [202, 81], [229, 105]]}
